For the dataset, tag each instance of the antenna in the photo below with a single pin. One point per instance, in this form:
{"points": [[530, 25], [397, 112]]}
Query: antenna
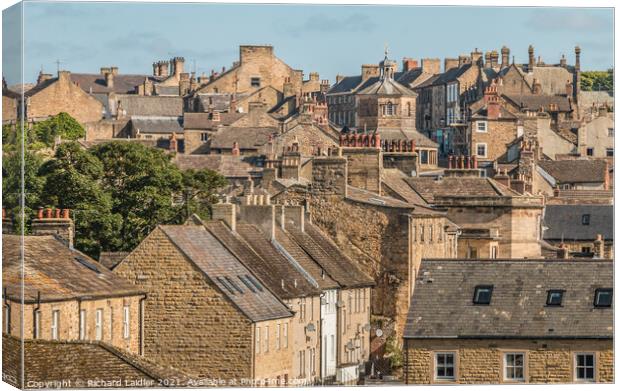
{"points": [[58, 62]]}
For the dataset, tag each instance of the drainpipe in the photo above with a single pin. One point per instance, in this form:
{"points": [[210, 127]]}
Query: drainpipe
{"points": [[35, 329], [8, 317], [320, 334], [141, 324]]}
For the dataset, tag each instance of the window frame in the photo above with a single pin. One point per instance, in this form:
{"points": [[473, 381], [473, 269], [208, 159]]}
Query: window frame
{"points": [[126, 322], [600, 290], [551, 292], [505, 366], [585, 219], [576, 367], [255, 81], [486, 127], [590, 151], [435, 367], [486, 150], [479, 287], [55, 325], [99, 324], [82, 324]]}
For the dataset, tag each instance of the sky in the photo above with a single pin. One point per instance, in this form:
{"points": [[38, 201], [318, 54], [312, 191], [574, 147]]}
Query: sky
{"points": [[330, 40]]}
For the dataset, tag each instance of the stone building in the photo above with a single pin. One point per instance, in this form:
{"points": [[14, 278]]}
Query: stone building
{"points": [[595, 137], [504, 322], [55, 95], [573, 174], [584, 230], [223, 322], [67, 296], [495, 221], [11, 101], [79, 364]]}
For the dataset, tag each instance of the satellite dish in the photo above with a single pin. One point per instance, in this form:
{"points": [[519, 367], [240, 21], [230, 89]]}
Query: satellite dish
{"points": [[310, 327], [379, 332]]}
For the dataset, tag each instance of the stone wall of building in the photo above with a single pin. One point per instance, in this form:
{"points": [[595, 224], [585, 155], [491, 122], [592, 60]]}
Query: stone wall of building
{"points": [[107, 129], [481, 361], [354, 337], [69, 320], [309, 137], [304, 342], [500, 132], [272, 362], [64, 96], [9, 109], [365, 167], [188, 322]]}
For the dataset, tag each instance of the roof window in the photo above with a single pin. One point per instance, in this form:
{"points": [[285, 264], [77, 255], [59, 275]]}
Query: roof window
{"points": [[482, 294], [602, 297], [554, 297]]}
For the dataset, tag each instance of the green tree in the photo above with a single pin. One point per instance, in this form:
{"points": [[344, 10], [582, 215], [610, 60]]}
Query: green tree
{"points": [[200, 187], [597, 81], [61, 125], [72, 181]]}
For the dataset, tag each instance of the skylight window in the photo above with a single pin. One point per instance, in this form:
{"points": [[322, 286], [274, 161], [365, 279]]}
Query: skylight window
{"points": [[602, 297], [585, 219], [233, 284], [87, 264], [247, 283], [226, 285], [254, 282], [554, 297], [482, 294]]}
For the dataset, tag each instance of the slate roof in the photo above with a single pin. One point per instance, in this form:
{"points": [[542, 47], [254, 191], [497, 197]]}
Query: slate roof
{"points": [[411, 76], [565, 222], [368, 197], [152, 124], [123, 83], [347, 84], [111, 259], [163, 106], [257, 253], [535, 102], [406, 134], [552, 78], [81, 360], [575, 171], [442, 306], [429, 188], [247, 138], [386, 86], [56, 271], [228, 165], [220, 265], [204, 121], [451, 75], [394, 179]]}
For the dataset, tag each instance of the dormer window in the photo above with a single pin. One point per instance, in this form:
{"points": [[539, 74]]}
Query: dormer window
{"points": [[554, 297], [602, 297], [482, 294]]}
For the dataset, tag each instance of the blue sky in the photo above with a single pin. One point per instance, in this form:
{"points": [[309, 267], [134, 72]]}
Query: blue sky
{"points": [[322, 38]]}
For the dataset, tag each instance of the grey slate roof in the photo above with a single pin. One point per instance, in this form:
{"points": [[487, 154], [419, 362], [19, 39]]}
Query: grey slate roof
{"points": [[56, 271], [152, 124], [575, 171], [123, 83], [535, 102], [165, 106], [219, 265], [442, 305], [565, 222], [386, 86], [429, 188]]}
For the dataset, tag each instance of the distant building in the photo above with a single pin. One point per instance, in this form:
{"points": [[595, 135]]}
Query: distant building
{"points": [[510, 321]]}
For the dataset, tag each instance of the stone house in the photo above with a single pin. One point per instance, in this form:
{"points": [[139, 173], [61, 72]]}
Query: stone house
{"points": [[495, 221], [67, 296], [326, 346], [55, 95], [223, 322], [11, 101], [79, 364], [584, 230], [574, 174], [595, 137], [503, 321]]}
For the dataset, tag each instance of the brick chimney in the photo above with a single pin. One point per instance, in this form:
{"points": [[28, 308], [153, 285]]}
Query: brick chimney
{"points": [[256, 209], [43, 77], [287, 88], [109, 80], [235, 149], [291, 162], [64, 76], [449, 63], [339, 78], [562, 251], [530, 65], [431, 66], [502, 177], [599, 246], [225, 211], [409, 64], [55, 222], [505, 57], [178, 64], [155, 69]]}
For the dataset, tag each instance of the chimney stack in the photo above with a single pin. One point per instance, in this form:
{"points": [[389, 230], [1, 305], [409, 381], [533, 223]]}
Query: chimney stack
{"points": [[530, 66], [599, 246], [256, 209], [155, 69], [431, 66], [109, 80], [178, 64], [55, 222], [577, 58], [505, 56], [225, 211], [449, 63], [409, 64]]}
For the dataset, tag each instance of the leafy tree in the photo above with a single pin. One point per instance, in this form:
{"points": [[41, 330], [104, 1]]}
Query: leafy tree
{"points": [[72, 181], [200, 187], [142, 182], [61, 125], [597, 81]]}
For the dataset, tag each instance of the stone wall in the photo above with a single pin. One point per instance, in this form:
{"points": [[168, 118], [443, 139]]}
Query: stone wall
{"points": [[188, 322], [481, 361], [364, 167], [272, 362], [9, 109], [499, 133]]}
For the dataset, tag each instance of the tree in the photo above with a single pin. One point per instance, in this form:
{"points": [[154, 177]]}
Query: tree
{"points": [[61, 125], [200, 188], [597, 81], [72, 181]]}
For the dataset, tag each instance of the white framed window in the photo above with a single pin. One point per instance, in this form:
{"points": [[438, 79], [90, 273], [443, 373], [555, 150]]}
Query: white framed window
{"points": [[99, 324], [257, 339], [519, 131], [481, 126], [82, 324], [332, 345], [126, 322], [7, 319], [285, 335], [481, 149], [204, 137], [111, 323], [55, 324], [585, 366], [266, 339], [278, 336], [444, 366], [493, 252], [302, 363], [514, 366], [37, 324], [388, 109]]}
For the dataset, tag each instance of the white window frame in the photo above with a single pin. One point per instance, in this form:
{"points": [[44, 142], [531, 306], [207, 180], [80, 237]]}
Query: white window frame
{"points": [[278, 336], [576, 367], [285, 335], [445, 366], [486, 150], [82, 324], [7, 319], [37, 324], [266, 339], [514, 367], [126, 317], [55, 324], [99, 324], [482, 129], [257, 339]]}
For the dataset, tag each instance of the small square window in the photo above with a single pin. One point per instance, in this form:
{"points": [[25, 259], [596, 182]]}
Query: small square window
{"points": [[554, 297], [609, 152], [514, 365], [585, 219], [482, 294], [584, 367], [481, 126], [255, 81], [481, 150], [444, 366], [603, 297], [590, 151]]}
